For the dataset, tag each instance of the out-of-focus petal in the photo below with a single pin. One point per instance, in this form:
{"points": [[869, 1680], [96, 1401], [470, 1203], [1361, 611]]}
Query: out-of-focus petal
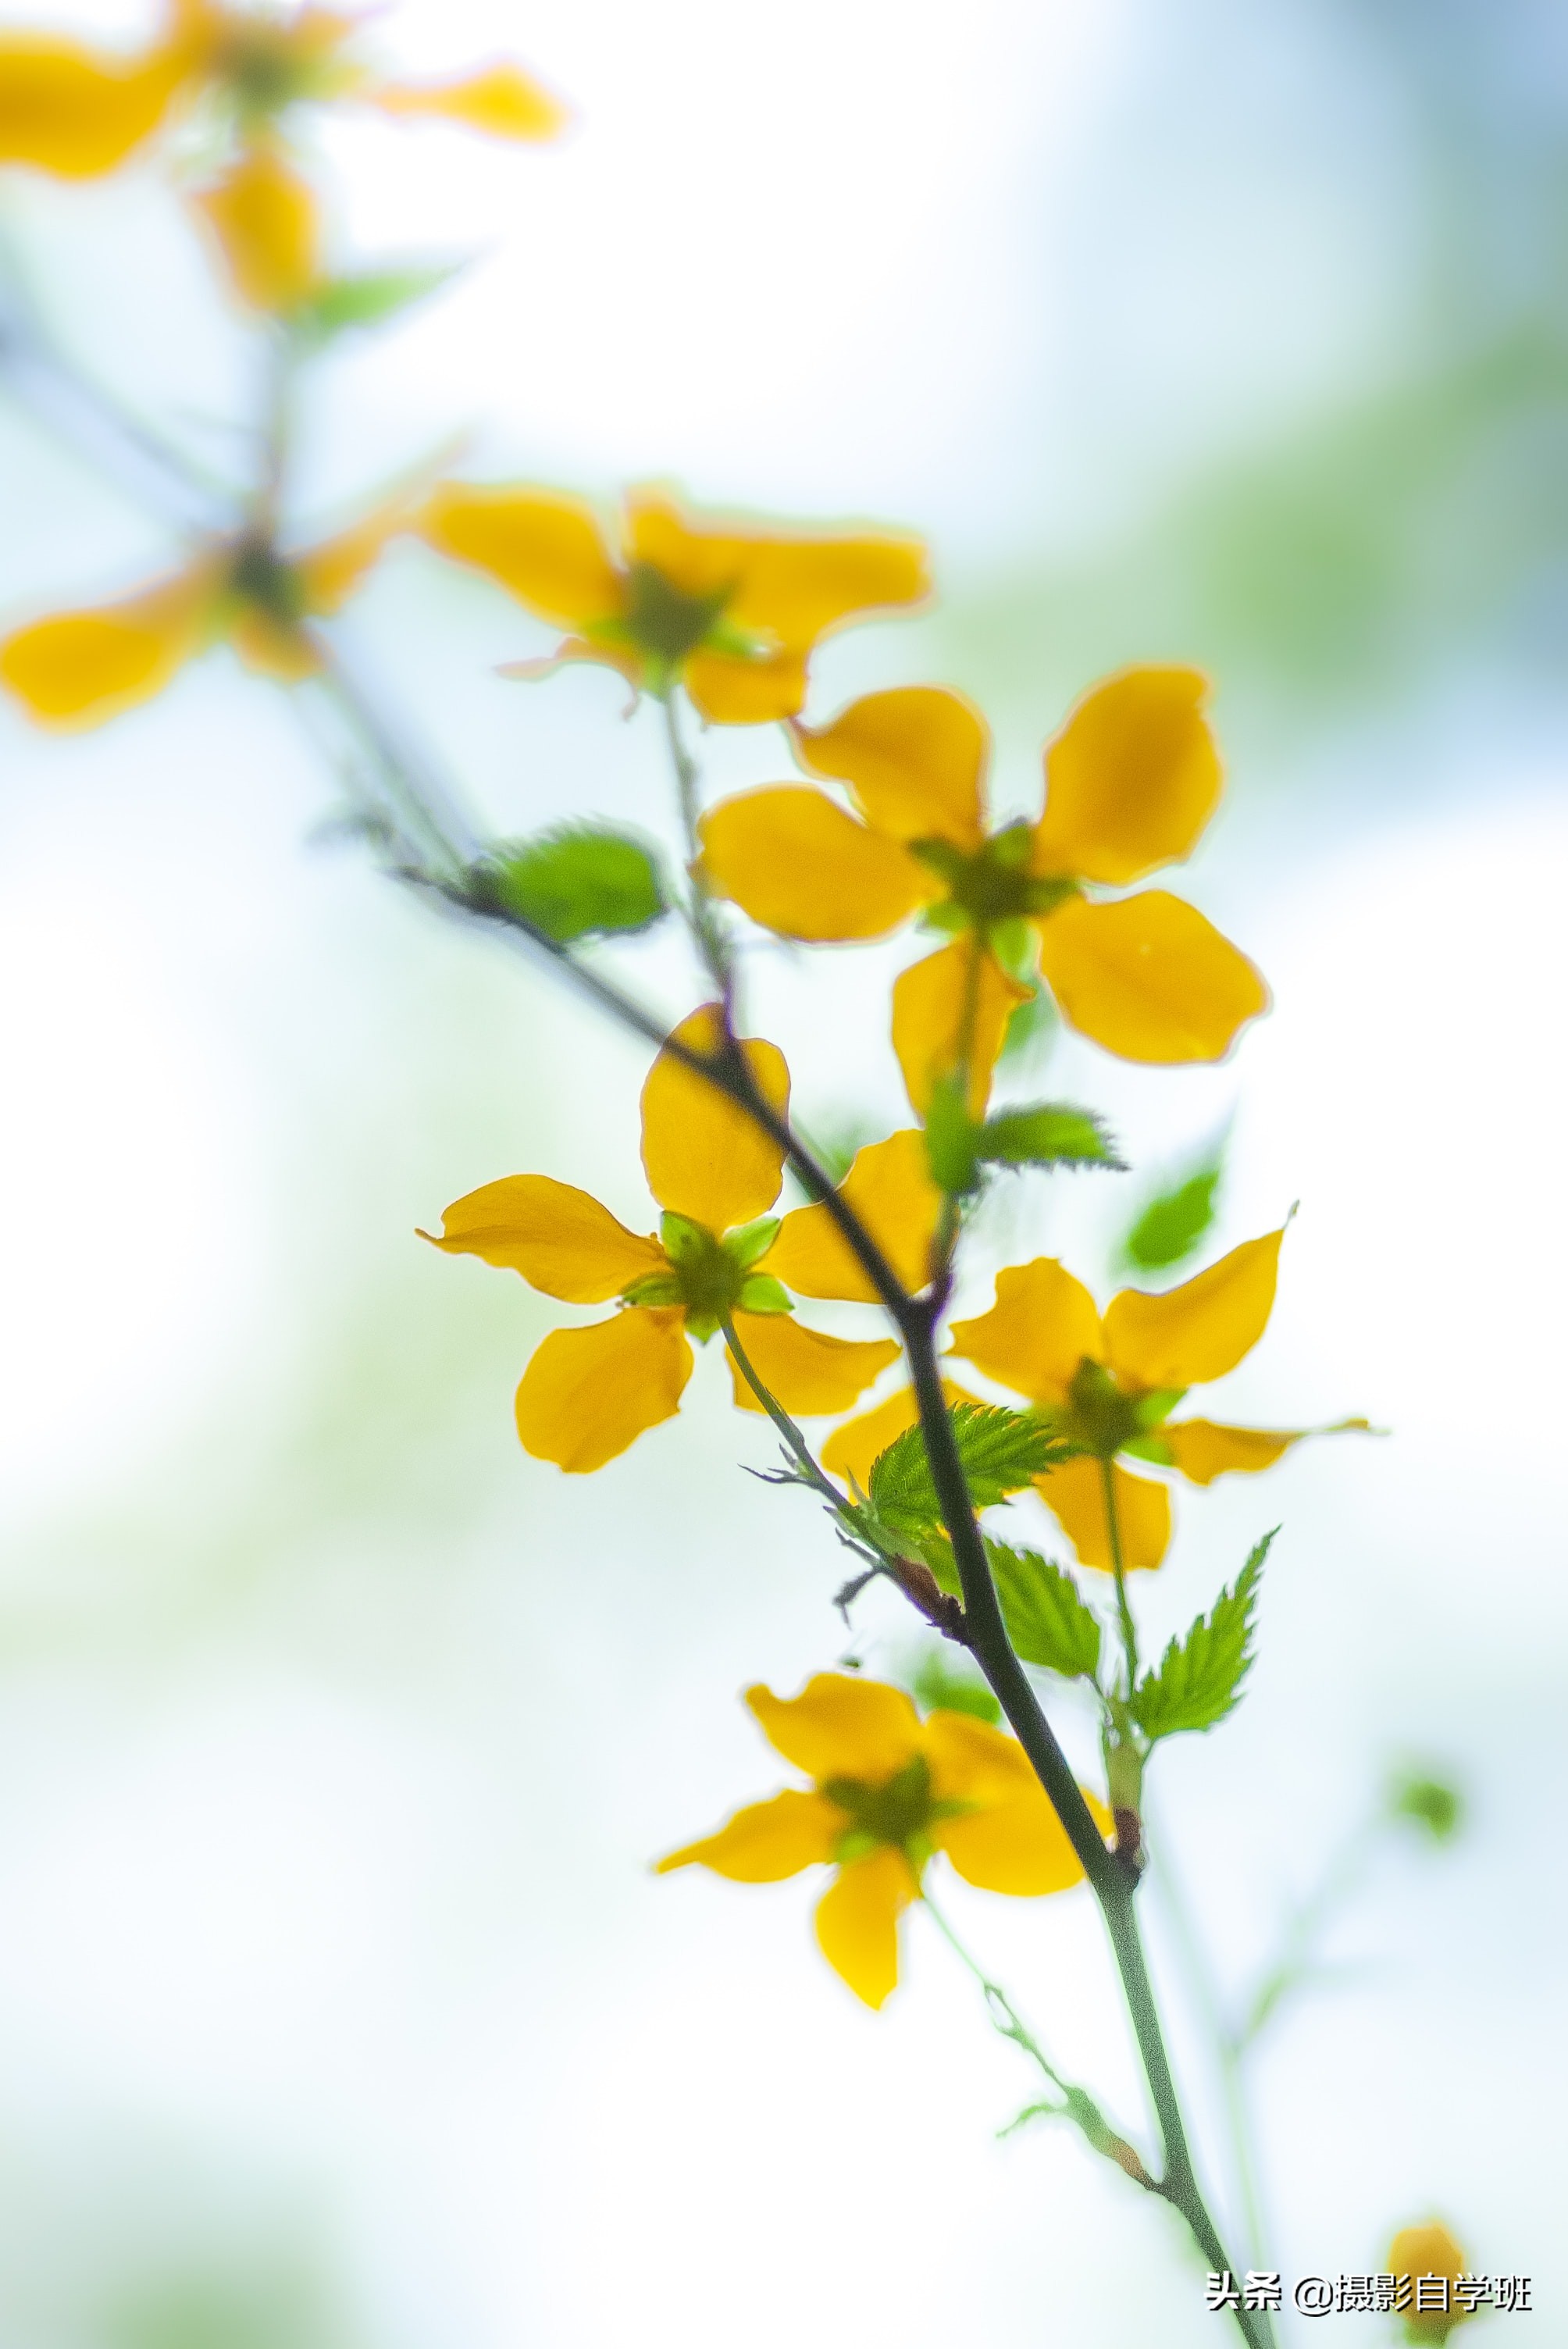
{"points": [[1042, 1326], [501, 100], [1075, 1494], [795, 862], [68, 110], [799, 589], [766, 1842], [589, 1393], [272, 647], [1201, 1329], [704, 1157], [695, 556], [852, 1451], [1131, 780], [1202, 1450], [546, 547], [1015, 1842], [561, 1240], [805, 1370], [914, 758], [1149, 978], [266, 221], [889, 1187], [841, 1727], [857, 1921], [728, 689], [958, 996], [83, 667], [329, 574]]}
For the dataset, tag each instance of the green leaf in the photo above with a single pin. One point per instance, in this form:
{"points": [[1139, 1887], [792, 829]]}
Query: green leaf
{"points": [[1051, 1135], [576, 882], [370, 297], [936, 1687], [1047, 1622], [1430, 1804], [1199, 1677], [1175, 1223], [1000, 1452]]}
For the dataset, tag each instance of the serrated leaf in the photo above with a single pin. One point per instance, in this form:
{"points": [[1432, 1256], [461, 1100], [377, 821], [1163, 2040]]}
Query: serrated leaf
{"points": [[1047, 1620], [371, 297], [577, 882], [1000, 1452], [1199, 1677], [1172, 1224], [1052, 1134]]}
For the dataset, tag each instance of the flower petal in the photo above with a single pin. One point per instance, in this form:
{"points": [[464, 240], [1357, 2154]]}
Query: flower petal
{"points": [[959, 995], [695, 556], [1042, 1326], [547, 548], [914, 758], [1131, 780], [85, 666], [1020, 1847], [728, 689], [889, 1187], [589, 1393], [766, 1842], [1075, 1494], [799, 589], [501, 100], [704, 1156], [329, 574], [66, 109], [798, 865], [852, 1450], [973, 1761], [1202, 1450], [805, 1370], [1149, 978], [272, 647], [264, 217], [857, 1921], [1200, 1330], [560, 1240], [841, 1727]]}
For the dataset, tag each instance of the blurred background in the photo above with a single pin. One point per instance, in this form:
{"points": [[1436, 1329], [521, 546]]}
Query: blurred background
{"points": [[338, 2009]]}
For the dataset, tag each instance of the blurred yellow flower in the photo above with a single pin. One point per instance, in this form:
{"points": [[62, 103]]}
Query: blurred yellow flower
{"points": [[588, 1394], [731, 612], [79, 669], [79, 113], [1130, 782], [889, 1791], [1429, 2254], [1110, 1384]]}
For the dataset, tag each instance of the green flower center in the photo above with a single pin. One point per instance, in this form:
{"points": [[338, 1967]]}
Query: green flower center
{"points": [[1103, 1419], [712, 1277], [898, 1811], [992, 885], [664, 620], [266, 73], [259, 576]]}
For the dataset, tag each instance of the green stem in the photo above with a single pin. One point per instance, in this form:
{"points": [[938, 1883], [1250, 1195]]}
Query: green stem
{"points": [[1123, 1607], [795, 1442], [707, 929]]}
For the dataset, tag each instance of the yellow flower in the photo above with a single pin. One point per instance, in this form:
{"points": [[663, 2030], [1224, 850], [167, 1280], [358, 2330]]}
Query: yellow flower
{"points": [[1429, 2252], [78, 113], [1130, 782], [81, 667], [888, 1790], [588, 1394], [673, 596], [1110, 1384]]}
